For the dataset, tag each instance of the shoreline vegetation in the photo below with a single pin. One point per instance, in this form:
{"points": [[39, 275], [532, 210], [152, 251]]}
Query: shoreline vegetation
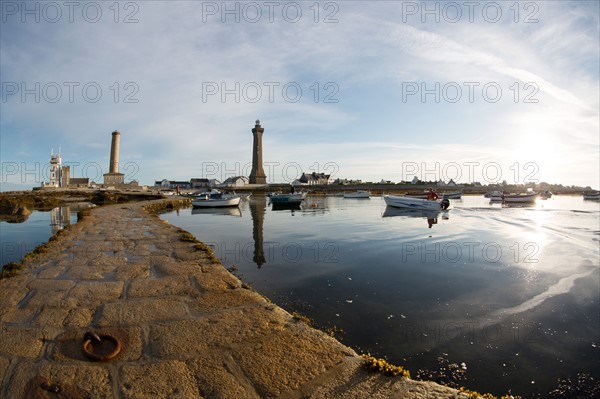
{"points": [[15, 206]]}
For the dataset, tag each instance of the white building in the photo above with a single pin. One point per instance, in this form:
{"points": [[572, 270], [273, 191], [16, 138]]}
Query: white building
{"points": [[55, 171]]}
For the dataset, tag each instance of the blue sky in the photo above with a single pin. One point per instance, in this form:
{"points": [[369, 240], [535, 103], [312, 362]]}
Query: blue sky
{"points": [[485, 91]]}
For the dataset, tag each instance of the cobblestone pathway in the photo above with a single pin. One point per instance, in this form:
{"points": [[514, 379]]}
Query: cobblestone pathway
{"points": [[188, 328]]}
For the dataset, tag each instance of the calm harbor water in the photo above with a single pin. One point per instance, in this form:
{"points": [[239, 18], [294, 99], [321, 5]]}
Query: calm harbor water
{"points": [[510, 292], [17, 239]]}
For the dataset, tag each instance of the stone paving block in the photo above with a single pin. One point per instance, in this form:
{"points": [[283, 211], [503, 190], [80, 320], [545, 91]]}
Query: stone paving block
{"points": [[18, 316], [94, 293], [221, 300], [12, 291], [24, 342], [168, 379], [132, 270], [73, 380], [214, 277], [4, 363], [140, 311], [51, 272], [50, 284], [79, 317], [165, 266], [101, 271], [41, 298], [169, 286], [284, 361], [50, 317], [187, 338], [219, 377], [68, 346]]}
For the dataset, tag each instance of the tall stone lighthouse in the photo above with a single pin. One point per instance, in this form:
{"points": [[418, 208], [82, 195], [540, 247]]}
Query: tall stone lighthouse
{"points": [[113, 176], [257, 175]]}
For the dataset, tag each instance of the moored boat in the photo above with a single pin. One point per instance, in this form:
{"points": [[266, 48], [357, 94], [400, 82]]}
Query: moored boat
{"points": [[207, 202], [519, 198], [546, 194], [494, 195], [358, 194], [295, 198], [455, 195], [592, 195], [415, 203]]}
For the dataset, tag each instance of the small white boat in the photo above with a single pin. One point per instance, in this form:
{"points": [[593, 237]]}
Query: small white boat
{"points": [[592, 196], [455, 195], [415, 203], [288, 198], [215, 199], [546, 194], [519, 198], [215, 202], [358, 194]]}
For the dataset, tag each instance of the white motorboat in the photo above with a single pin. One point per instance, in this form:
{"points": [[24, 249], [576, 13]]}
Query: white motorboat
{"points": [[415, 203], [295, 198], [519, 198], [454, 195], [592, 196], [207, 202], [215, 199], [358, 194]]}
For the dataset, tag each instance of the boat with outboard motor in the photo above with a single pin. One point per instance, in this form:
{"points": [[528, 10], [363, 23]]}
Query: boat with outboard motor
{"points": [[215, 199], [416, 203], [294, 198]]}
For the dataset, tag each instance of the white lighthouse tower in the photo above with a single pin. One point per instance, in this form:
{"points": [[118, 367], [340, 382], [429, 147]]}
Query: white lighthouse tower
{"points": [[55, 170]]}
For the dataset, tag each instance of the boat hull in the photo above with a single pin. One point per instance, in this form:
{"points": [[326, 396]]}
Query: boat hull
{"points": [[216, 203], [456, 195], [520, 199], [412, 203], [288, 198], [591, 196], [358, 194]]}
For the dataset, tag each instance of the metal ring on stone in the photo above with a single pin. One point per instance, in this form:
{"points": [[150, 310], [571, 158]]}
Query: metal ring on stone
{"points": [[88, 347]]}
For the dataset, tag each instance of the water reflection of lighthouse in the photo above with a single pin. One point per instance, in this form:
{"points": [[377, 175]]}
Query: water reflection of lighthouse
{"points": [[257, 211], [59, 218]]}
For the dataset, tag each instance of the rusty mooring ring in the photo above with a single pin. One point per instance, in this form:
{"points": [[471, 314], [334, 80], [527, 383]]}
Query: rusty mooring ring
{"points": [[90, 337]]}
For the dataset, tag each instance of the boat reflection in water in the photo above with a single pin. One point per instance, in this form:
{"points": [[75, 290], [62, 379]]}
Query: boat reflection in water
{"points": [[431, 216], [230, 211], [294, 206]]}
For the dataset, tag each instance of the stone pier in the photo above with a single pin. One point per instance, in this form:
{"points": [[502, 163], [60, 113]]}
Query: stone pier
{"points": [[187, 327]]}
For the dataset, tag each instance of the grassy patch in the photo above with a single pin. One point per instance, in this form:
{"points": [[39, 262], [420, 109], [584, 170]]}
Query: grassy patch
{"points": [[10, 269]]}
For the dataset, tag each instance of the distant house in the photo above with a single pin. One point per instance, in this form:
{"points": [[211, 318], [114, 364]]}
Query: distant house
{"points": [[79, 182], [314, 178], [451, 183], [441, 183], [386, 182], [415, 180], [235, 181], [198, 183], [162, 183], [346, 181]]}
